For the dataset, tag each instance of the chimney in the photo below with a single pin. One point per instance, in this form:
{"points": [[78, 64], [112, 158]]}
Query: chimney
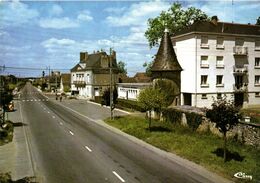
{"points": [[114, 54], [214, 20], [83, 56]]}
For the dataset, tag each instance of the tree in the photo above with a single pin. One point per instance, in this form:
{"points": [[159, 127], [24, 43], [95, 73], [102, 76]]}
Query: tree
{"points": [[106, 96], [121, 67], [258, 21], [151, 99], [175, 19], [148, 67], [225, 115]]}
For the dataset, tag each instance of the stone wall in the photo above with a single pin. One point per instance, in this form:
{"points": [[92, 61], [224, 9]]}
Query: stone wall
{"points": [[247, 133]]}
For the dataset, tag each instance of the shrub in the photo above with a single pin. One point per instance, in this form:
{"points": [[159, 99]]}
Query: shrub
{"points": [[106, 96], [193, 120], [130, 104], [172, 115]]}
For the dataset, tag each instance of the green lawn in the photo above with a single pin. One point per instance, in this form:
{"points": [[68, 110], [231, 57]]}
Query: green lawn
{"points": [[201, 148]]}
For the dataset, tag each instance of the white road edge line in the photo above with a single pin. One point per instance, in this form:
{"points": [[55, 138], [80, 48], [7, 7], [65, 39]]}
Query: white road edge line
{"points": [[71, 133], [118, 176], [88, 148]]}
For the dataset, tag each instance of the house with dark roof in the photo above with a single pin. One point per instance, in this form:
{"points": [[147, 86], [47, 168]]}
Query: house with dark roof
{"points": [[91, 76], [219, 59]]}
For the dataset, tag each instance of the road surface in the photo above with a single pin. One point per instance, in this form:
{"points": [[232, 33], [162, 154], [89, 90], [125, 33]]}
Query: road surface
{"points": [[66, 147]]}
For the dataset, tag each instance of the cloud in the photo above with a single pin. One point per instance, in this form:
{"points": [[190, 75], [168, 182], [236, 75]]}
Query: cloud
{"points": [[56, 10], [115, 10], [58, 23], [53, 42], [226, 12], [65, 22], [16, 13], [138, 14], [85, 16], [131, 49]]}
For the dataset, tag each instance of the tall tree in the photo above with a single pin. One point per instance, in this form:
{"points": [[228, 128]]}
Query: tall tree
{"points": [[121, 67], [148, 67], [175, 18], [151, 99], [258, 21], [225, 115]]}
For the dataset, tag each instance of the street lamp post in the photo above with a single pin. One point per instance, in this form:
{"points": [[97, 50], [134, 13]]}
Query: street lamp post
{"points": [[111, 87]]}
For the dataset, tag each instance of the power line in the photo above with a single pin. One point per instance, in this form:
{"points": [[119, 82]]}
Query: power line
{"points": [[30, 68]]}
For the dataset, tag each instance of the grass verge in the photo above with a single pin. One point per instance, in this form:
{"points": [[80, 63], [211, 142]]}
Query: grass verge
{"points": [[201, 148]]}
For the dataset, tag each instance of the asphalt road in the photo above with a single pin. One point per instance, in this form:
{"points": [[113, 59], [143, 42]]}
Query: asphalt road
{"points": [[68, 148]]}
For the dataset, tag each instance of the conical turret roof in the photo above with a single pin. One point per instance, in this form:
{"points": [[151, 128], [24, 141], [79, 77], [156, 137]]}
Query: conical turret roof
{"points": [[166, 59]]}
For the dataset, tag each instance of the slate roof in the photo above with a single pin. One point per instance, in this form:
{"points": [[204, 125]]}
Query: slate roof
{"points": [[93, 61], [221, 27], [166, 59]]}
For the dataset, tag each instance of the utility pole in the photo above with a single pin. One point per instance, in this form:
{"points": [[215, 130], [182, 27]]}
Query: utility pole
{"points": [[2, 92], [49, 87], [111, 87]]}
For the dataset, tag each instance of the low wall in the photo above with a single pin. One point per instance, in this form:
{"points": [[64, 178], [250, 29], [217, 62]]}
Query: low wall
{"points": [[247, 133]]}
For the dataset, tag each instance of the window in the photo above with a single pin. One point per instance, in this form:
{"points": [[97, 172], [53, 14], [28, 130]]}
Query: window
{"points": [[88, 78], [204, 96], [204, 62], [257, 80], [219, 82], [257, 94], [220, 62], [220, 43], [257, 45], [204, 42], [239, 42], [219, 96], [204, 82], [257, 62]]}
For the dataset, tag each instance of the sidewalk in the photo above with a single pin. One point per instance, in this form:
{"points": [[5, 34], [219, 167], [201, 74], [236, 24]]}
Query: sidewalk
{"points": [[15, 156]]}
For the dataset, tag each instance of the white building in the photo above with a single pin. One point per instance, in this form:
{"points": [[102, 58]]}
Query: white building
{"points": [[219, 59], [91, 76], [130, 91]]}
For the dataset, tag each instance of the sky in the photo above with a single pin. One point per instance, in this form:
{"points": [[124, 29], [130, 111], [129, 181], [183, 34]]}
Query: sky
{"points": [[41, 34]]}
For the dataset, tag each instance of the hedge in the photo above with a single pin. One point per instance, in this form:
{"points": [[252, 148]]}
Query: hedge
{"points": [[175, 116], [172, 115], [193, 120], [130, 104]]}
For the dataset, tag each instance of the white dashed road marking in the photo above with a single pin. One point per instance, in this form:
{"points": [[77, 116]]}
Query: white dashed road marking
{"points": [[61, 123], [71, 133], [118, 176], [48, 111], [53, 117], [88, 148]]}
